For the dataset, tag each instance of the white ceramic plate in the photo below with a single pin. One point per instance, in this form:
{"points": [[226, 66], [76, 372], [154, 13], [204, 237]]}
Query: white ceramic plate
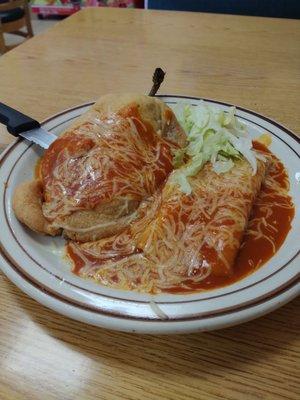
{"points": [[36, 265]]}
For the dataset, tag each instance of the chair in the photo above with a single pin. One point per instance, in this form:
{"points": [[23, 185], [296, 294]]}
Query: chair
{"points": [[14, 15]]}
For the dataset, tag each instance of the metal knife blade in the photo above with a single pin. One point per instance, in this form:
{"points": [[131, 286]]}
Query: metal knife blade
{"points": [[39, 136], [19, 124]]}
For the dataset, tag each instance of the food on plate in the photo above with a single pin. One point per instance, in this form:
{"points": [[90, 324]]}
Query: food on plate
{"points": [[160, 202], [94, 176], [181, 236], [27, 207]]}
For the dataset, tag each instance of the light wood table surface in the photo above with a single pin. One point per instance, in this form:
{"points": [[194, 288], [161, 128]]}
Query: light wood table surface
{"points": [[252, 62]]}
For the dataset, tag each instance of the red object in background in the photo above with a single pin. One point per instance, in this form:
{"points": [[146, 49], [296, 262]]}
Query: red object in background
{"points": [[139, 3], [68, 7]]}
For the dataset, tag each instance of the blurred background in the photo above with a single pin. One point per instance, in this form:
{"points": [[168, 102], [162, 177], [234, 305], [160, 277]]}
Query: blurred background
{"points": [[264, 8], [23, 18]]}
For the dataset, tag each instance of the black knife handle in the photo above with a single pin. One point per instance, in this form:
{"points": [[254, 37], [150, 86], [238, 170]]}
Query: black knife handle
{"points": [[15, 121]]}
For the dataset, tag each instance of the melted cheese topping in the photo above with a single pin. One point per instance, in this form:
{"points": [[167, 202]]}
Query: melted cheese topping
{"points": [[120, 156], [178, 240], [181, 243], [272, 216]]}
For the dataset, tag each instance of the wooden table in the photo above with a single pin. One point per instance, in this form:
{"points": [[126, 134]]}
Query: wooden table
{"points": [[253, 62]]}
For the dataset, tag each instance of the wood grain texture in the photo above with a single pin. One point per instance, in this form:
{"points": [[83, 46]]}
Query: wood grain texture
{"points": [[252, 62]]}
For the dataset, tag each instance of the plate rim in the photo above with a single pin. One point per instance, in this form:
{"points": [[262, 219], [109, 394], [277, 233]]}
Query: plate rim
{"points": [[158, 326]]}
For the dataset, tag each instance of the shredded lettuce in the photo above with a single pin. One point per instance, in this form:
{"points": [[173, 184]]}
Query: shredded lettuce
{"points": [[222, 166], [212, 135]]}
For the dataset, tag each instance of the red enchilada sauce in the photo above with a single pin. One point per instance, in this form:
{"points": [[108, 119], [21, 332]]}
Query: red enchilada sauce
{"points": [[269, 224], [88, 165], [272, 214]]}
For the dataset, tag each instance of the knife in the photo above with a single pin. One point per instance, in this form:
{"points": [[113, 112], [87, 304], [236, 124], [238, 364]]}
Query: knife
{"points": [[19, 124]]}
